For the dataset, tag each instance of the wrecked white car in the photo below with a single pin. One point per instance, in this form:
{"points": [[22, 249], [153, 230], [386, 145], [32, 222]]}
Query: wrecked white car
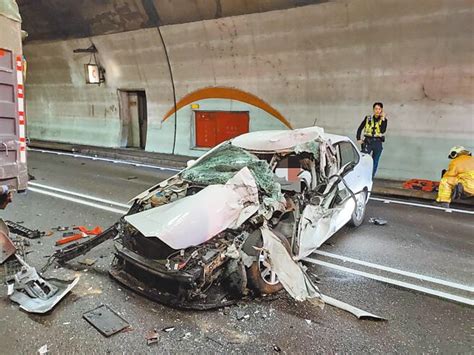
{"points": [[238, 220]]}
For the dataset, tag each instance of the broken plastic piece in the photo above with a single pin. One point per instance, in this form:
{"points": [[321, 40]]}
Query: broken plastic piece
{"points": [[69, 239], [95, 231], [35, 294], [378, 221]]}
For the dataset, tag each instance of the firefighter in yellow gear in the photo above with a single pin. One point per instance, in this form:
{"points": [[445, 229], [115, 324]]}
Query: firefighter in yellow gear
{"points": [[459, 178]]}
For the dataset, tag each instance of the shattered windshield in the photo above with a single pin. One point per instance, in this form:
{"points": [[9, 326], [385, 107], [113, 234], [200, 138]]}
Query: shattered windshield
{"points": [[225, 162]]}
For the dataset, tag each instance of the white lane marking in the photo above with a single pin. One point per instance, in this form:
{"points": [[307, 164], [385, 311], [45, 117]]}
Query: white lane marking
{"points": [[116, 161], [398, 271], [385, 200], [67, 192], [403, 284], [76, 200]]}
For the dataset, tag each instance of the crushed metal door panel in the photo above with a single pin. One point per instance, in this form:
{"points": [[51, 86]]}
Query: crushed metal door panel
{"points": [[315, 227], [105, 320], [289, 272]]}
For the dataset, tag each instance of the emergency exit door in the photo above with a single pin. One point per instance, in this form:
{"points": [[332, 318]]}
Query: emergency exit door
{"points": [[214, 127], [133, 113]]}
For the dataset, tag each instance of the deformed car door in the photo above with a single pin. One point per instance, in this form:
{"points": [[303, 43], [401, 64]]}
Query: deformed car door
{"points": [[319, 222]]}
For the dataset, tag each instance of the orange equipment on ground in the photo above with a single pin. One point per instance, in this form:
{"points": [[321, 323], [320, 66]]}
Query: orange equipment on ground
{"points": [[420, 184]]}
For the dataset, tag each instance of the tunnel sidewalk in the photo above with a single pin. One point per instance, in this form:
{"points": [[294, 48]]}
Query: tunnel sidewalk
{"points": [[381, 186]]}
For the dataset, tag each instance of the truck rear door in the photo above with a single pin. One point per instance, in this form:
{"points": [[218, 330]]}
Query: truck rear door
{"points": [[13, 171]]}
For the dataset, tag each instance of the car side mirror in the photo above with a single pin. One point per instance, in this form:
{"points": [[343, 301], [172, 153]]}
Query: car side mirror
{"points": [[190, 163]]}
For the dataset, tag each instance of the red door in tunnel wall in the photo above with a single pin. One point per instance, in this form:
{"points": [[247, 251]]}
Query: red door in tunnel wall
{"points": [[214, 127]]}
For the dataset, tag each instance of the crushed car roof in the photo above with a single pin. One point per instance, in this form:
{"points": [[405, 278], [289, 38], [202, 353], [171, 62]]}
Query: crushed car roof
{"points": [[277, 140], [281, 140]]}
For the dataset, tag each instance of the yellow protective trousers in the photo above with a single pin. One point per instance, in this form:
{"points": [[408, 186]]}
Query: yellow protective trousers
{"points": [[447, 184]]}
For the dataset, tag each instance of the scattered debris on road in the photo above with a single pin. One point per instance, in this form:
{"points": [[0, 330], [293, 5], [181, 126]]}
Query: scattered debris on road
{"points": [[87, 261], [61, 228], [152, 338], [94, 231], [359, 313], [377, 221], [26, 287], [43, 350], [70, 238], [83, 232], [105, 320], [23, 231]]}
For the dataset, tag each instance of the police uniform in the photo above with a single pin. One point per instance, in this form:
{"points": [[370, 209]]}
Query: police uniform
{"points": [[374, 129]]}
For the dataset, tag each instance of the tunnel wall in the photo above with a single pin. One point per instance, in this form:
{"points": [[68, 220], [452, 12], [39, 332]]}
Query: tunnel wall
{"points": [[320, 64]]}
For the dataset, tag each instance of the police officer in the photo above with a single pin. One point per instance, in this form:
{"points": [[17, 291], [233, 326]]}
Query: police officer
{"points": [[374, 127]]}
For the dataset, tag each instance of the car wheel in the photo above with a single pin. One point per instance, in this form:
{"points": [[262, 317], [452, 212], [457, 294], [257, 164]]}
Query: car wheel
{"points": [[359, 211], [262, 279]]}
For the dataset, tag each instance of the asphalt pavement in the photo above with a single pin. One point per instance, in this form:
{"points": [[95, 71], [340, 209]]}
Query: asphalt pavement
{"points": [[418, 249]]}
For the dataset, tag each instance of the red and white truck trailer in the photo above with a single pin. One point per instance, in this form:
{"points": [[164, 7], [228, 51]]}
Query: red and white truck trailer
{"points": [[13, 170]]}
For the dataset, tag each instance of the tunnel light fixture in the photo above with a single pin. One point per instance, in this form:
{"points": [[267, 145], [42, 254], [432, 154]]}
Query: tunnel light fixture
{"points": [[94, 72]]}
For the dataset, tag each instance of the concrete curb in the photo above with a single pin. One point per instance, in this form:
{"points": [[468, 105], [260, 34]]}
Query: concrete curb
{"points": [[133, 155]]}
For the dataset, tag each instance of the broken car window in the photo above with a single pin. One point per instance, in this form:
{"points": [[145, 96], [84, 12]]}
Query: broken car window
{"points": [[224, 162], [348, 153]]}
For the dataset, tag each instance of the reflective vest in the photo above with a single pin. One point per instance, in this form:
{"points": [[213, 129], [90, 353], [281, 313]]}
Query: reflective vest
{"points": [[372, 127]]}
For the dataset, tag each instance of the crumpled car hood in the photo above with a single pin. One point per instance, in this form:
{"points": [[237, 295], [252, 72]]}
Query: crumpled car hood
{"points": [[195, 219]]}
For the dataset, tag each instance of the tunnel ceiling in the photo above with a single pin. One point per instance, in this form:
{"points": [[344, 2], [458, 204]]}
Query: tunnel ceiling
{"points": [[60, 19]]}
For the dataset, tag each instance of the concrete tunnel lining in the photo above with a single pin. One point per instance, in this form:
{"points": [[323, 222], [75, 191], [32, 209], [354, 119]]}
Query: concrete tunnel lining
{"points": [[320, 64]]}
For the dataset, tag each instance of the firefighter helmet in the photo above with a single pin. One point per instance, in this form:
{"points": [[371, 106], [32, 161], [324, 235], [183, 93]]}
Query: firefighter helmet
{"points": [[456, 151]]}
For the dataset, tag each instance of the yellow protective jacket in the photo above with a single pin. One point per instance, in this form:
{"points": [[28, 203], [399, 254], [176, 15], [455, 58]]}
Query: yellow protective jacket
{"points": [[461, 164], [460, 170]]}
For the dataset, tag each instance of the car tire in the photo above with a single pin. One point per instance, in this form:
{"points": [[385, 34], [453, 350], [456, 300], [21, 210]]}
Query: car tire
{"points": [[269, 283], [359, 212]]}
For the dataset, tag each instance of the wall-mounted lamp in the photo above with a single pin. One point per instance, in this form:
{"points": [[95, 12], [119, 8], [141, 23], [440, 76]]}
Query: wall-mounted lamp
{"points": [[95, 73]]}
